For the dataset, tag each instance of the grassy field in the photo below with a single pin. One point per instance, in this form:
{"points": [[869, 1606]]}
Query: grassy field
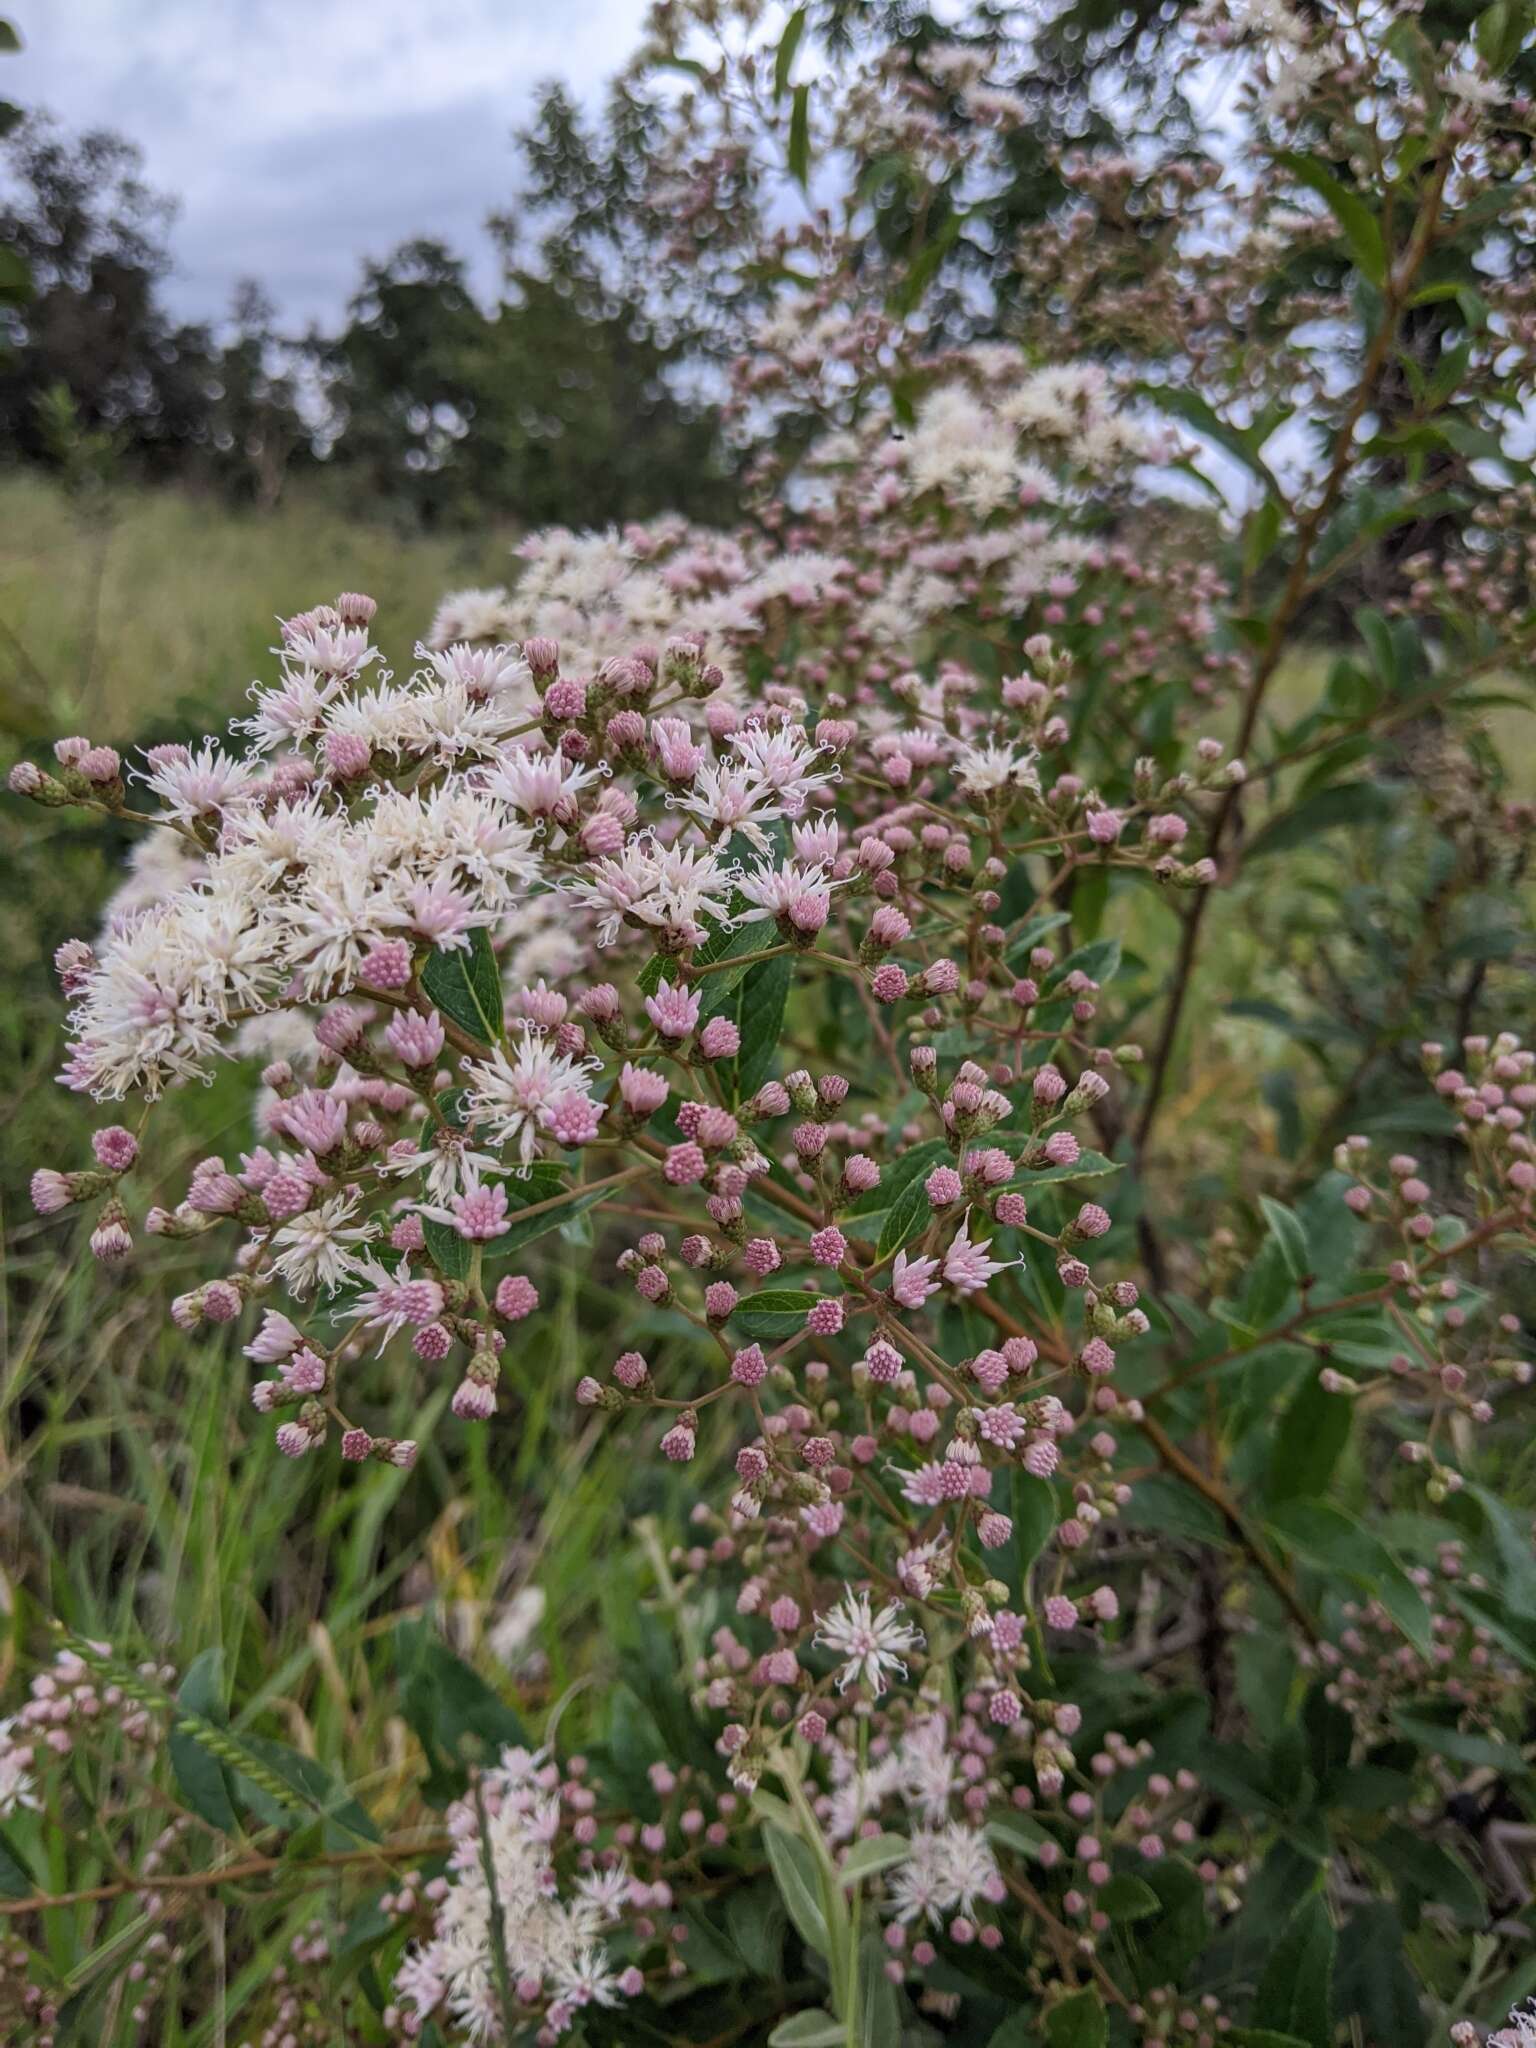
{"points": [[115, 617]]}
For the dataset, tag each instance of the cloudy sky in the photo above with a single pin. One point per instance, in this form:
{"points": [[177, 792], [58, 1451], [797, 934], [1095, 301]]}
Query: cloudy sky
{"points": [[300, 135]]}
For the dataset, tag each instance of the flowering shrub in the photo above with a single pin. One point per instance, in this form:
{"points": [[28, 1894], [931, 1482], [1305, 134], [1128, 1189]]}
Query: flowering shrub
{"points": [[1091, 1617]]}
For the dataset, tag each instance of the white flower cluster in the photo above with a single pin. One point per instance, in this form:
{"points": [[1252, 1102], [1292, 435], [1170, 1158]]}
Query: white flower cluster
{"points": [[503, 1892], [950, 1865], [1011, 454]]}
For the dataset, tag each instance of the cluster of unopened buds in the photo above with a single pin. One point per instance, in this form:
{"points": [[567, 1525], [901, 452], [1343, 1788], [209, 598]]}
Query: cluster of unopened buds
{"points": [[1457, 1352], [67, 1702], [1171, 2018], [301, 2006], [1370, 1669]]}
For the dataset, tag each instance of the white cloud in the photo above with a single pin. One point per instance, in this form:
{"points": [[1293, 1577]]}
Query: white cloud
{"points": [[300, 135]]}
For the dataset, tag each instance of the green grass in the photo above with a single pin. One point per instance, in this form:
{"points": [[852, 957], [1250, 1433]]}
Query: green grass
{"points": [[163, 600]]}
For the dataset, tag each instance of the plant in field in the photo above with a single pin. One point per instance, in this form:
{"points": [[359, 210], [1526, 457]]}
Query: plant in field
{"points": [[1100, 1608]]}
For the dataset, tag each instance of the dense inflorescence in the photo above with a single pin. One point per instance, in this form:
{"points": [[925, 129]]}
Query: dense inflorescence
{"points": [[743, 905]]}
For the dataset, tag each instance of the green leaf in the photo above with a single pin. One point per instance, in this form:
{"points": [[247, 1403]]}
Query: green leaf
{"points": [[1309, 1441], [518, 1234], [1374, 1981], [458, 1718], [203, 1780], [732, 943], [903, 1219], [1262, 2037], [1174, 1509], [879, 2008], [1032, 1505], [1164, 1948], [1128, 1898], [1499, 33], [799, 151], [1036, 929], [1334, 1542], [465, 984], [1099, 960], [921, 271], [1330, 1737], [16, 1881], [312, 1788], [755, 1920], [872, 1854], [797, 1875], [1288, 1233], [1455, 1742], [1261, 533], [774, 1312], [1361, 229], [450, 1253], [784, 56], [1343, 803], [1414, 1864], [809, 2030], [1079, 2021], [1294, 1991], [10, 42], [1244, 444], [1087, 1166], [1023, 1837], [764, 994], [916, 1164]]}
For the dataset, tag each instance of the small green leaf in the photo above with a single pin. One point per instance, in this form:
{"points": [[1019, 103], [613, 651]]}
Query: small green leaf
{"points": [[465, 984], [774, 1312], [809, 2030], [1415, 1864], [16, 1881], [1361, 229], [1334, 1542], [1128, 1898], [1455, 1742], [1342, 803], [764, 994], [1288, 1233], [1243, 443], [1032, 1505], [1079, 2021], [799, 152], [915, 1164], [903, 1219], [450, 1708], [1023, 1837], [784, 56], [518, 1234], [1099, 960], [872, 1854], [1309, 1441], [1086, 1166], [1294, 1989], [796, 1873], [203, 1780], [449, 1252]]}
